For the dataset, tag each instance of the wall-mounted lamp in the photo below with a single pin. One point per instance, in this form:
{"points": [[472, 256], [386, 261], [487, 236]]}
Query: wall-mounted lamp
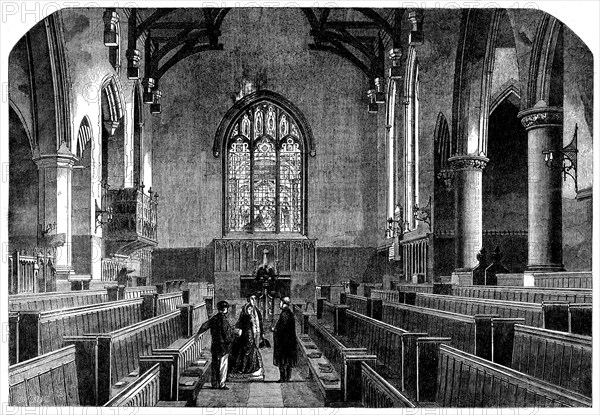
{"points": [[103, 216], [447, 178], [111, 27], [423, 214], [564, 159]]}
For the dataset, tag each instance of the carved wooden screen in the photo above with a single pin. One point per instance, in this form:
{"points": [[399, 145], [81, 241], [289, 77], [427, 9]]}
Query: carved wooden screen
{"points": [[264, 172]]}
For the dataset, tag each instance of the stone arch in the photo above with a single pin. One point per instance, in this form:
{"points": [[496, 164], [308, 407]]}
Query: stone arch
{"points": [[545, 69], [25, 124]]}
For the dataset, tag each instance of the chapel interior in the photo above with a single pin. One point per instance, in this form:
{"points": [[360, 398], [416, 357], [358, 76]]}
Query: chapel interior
{"points": [[417, 181]]}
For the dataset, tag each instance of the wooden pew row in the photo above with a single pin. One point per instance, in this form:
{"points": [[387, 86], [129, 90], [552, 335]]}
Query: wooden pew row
{"points": [[379, 393], [158, 304], [563, 359], [55, 300], [531, 312], [465, 380], [185, 366], [357, 303], [143, 392], [471, 334], [345, 360], [37, 333], [417, 288], [578, 279], [410, 359], [192, 317], [525, 294], [580, 319], [104, 359], [47, 380]]}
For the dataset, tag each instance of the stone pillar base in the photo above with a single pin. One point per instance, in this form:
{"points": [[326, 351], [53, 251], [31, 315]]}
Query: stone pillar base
{"points": [[462, 277]]}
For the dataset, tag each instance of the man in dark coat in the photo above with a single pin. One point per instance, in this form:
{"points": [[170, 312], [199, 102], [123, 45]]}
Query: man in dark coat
{"points": [[222, 335], [285, 354]]}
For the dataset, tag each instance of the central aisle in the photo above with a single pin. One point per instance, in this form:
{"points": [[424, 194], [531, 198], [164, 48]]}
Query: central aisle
{"points": [[300, 392]]}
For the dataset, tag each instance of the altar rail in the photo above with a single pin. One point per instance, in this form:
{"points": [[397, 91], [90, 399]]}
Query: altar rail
{"points": [[465, 380], [379, 393]]}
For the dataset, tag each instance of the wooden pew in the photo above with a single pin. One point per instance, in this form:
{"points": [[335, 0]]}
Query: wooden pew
{"points": [[357, 303], [105, 359], [47, 380], [157, 304], [580, 319], [469, 333], [525, 294], [531, 312], [329, 384], [142, 392], [377, 392], [137, 292], [389, 343], [345, 360], [37, 333], [563, 359], [192, 317], [55, 300], [465, 380], [417, 288]]}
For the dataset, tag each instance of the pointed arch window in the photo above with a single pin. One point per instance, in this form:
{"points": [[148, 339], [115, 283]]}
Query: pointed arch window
{"points": [[265, 171]]}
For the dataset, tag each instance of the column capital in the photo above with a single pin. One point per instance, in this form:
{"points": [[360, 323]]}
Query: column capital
{"points": [[62, 159], [468, 162], [542, 116]]}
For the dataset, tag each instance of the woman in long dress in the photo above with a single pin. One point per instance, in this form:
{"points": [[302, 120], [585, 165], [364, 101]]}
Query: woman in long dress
{"points": [[245, 361]]}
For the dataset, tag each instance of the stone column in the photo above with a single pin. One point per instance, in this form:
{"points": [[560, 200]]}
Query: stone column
{"points": [[54, 205], [544, 127], [468, 190]]}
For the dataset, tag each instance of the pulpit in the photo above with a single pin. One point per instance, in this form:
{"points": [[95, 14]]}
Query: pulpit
{"points": [[236, 262]]}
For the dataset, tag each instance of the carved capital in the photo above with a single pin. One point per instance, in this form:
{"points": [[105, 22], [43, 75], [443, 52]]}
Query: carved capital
{"points": [[468, 162], [541, 117]]}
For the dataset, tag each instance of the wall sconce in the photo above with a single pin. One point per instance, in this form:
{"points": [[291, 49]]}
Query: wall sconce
{"points": [[103, 217], [447, 178], [423, 214], [564, 159], [372, 107], [156, 107], [111, 27]]}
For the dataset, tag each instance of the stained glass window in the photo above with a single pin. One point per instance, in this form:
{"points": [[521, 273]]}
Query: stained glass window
{"points": [[265, 172]]}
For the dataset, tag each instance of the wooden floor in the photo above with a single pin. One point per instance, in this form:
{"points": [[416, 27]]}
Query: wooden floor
{"points": [[300, 392]]}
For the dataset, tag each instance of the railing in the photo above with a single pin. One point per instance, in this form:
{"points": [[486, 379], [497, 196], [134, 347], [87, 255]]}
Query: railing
{"points": [[378, 393], [31, 271], [111, 268], [415, 254], [132, 212]]}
